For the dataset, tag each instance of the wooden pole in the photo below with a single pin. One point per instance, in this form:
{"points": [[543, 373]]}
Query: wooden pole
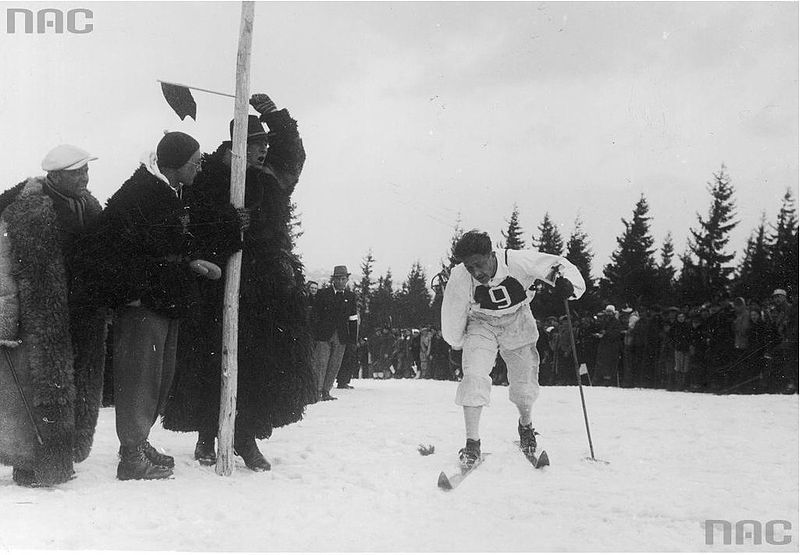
{"points": [[233, 270]]}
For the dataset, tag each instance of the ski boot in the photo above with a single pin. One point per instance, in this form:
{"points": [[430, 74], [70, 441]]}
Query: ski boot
{"points": [[527, 439], [469, 454]]}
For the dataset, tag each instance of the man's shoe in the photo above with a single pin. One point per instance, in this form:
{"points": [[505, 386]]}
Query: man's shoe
{"points": [[253, 459], [344, 386], [134, 465], [204, 453], [470, 453], [527, 439], [328, 397], [156, 457]]}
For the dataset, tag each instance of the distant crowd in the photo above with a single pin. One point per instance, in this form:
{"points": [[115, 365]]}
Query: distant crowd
{"points": [[728, 346]]}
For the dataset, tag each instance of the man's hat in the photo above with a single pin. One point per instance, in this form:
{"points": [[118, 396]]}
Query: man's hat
{"points": [[340, 271], [779, 292], [254, 128], [66, 157]]}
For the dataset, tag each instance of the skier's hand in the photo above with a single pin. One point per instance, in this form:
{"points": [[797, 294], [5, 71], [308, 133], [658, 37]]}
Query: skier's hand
{"points": [[563, 288], [262, 103], [206, 269], [10, 343]]}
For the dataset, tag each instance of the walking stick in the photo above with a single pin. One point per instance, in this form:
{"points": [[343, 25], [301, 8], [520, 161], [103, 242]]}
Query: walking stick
{"points": [[22, 394], [578, 374]]}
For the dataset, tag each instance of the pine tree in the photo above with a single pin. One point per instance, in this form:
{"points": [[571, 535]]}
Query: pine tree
{"points": [[666, 271], [381, 302], [755, 279], [708, 243], [451, 262], [550, 240], [579, 253], [513, 234], [364, 289], [413, 301], [631, 276], [783, 248]]}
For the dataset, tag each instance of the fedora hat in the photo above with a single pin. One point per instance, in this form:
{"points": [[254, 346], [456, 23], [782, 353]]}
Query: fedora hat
{"points": [[340, 271], [254, 128]]}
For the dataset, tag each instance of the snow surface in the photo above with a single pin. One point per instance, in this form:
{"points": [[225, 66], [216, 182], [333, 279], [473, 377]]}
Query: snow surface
{"points": [[349, 478]]}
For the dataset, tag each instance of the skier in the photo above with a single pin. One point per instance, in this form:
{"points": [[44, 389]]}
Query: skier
{"points": [[486, 309]]}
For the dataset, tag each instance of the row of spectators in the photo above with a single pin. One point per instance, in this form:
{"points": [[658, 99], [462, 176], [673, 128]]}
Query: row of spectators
{"points": [[730, 346]]}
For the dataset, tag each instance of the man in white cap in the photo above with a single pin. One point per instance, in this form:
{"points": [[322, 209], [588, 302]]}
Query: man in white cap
{"points": [[51, 334]]}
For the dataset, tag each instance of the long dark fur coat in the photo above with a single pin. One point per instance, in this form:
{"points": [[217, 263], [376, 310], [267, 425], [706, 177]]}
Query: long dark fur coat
{"points": [[60, 361], [275, 379]]}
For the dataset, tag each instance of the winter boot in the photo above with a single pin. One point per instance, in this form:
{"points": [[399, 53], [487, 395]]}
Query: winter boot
{"points": [[157, 458], [527, 439], [246, 448], [204, 451], [470, 453], [134, 465], [24, 477]]}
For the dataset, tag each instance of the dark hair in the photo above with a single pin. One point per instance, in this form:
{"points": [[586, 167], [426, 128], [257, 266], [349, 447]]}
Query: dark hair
{"points": [[472, 242]]}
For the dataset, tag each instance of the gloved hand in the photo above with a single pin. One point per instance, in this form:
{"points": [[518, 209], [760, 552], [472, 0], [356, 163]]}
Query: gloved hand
{"points": [[244, 218], [206, 269], [10, 343], [563, 288], [262, 103]]}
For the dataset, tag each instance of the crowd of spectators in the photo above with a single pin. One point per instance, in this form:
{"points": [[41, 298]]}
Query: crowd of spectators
{"points": [[728, 346]]}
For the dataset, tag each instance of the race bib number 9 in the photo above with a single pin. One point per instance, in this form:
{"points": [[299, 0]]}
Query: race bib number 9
{"points": [[500, 296], [504, 295]]}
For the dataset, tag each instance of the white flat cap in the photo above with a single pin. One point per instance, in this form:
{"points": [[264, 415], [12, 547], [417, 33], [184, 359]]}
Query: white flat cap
{"points": [[66, 157]]}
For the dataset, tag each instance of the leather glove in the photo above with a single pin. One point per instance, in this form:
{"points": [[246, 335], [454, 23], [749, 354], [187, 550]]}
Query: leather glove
{"points": [[262, 103], [206, 269], [563, 288], [244, 218]]}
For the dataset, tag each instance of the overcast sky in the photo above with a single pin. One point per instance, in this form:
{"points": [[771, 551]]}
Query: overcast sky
{"points": [[415, 113]]}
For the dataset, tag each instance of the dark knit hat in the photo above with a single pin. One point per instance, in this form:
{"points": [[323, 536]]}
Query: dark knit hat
{"points": [[254, 128], [175, 149]]}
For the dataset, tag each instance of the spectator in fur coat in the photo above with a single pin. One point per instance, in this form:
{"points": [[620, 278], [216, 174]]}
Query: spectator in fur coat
{"points": [[53, 340], [275, 380], [148, 271]]}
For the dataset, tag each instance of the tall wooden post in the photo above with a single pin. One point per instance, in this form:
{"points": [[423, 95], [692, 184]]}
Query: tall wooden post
{"points": [[233, 270]]}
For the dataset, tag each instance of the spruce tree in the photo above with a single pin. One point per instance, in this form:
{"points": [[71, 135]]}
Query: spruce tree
{"points": [[364, 289], [666, 271], [513, 234], [783, 248], [550, 240], [413, 301], [631, 276], [382, 302], [754, 280], [451, 262], [708, 243], [579, 253]]}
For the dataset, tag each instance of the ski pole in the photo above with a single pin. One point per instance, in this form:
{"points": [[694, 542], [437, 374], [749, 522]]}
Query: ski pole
{"points": [[578, 374], [22, 394]]}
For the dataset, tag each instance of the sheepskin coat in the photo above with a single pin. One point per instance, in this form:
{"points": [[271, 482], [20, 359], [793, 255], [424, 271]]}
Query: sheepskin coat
{"points": [[142, 247], [59, 364], [275, 380]]}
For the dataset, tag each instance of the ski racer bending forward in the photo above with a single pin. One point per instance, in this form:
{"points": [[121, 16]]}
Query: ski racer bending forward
{"points": [[486, 309]]}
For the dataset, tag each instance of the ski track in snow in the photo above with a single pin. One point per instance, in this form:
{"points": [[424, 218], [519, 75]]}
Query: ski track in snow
{"points": [[348, 477]]}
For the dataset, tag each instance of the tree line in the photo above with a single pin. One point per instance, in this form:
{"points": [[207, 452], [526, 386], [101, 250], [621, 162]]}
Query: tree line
{"points": [[638, 274]]}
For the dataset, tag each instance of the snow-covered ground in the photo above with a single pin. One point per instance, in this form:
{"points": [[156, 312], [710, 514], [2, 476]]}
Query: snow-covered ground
{"points": [[349, 478]]}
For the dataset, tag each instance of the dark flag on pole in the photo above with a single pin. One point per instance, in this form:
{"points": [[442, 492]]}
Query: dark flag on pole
{"points": [[180, 99]]}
